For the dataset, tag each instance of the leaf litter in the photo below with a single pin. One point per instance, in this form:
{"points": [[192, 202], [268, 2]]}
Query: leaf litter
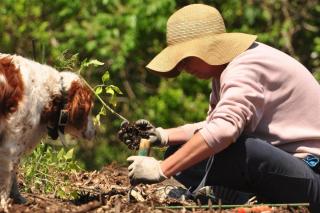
{"points": [[108, 190]]}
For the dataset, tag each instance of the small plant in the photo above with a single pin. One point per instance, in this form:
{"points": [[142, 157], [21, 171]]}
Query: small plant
{"points": [[72, 63], [110, 90], [48, 170]]}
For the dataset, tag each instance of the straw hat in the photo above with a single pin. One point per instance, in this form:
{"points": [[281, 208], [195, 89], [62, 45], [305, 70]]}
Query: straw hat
{"points": [[198, 30]]}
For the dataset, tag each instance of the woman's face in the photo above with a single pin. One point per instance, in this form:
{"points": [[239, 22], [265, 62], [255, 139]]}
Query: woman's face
{"points": [[200, 69]]}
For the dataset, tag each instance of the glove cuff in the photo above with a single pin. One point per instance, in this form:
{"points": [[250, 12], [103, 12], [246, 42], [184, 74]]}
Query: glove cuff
{"points": [[164, 136], [162, 175]]}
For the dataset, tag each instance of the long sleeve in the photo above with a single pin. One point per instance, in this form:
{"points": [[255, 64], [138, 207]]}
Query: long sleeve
{"points": [[190, 129], [241, 106], [263, 93]]}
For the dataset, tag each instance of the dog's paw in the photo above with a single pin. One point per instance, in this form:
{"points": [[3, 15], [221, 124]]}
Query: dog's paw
{"points": [[19, 199], [15, 194]]}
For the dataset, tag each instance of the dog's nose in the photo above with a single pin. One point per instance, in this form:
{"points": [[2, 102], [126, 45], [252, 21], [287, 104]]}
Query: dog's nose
{"points": [[89, 134], [90, 131]]}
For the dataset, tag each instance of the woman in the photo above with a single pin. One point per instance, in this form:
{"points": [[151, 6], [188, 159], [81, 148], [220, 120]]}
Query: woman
{"points": [[261, 134]]}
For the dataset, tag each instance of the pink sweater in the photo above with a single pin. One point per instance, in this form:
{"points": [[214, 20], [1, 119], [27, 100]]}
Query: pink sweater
{"points": [[266, 94]]}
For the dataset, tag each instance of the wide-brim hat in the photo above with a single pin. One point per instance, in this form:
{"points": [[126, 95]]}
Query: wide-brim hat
{"points": [[198, 30]]}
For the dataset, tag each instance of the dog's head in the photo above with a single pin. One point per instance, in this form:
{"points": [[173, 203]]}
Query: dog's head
{"points": [[78, 104], [69, 111]]}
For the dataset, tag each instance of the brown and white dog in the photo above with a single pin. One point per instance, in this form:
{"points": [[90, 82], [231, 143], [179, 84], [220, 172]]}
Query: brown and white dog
{"points": [[36, 100]]}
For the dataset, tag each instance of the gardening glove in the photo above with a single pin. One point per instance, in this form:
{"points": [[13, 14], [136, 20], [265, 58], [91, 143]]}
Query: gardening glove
{"points": [[145, 170], [157, 136]]}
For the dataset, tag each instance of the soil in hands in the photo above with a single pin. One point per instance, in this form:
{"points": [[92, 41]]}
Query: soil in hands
{"points": [[134, 132]]}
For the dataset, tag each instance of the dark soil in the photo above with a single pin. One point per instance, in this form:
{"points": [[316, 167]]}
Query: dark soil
{"points": [[131, 134], [107, 191]]}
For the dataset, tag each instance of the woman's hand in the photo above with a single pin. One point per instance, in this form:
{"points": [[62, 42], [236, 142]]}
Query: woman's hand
{"points": [[156, 136], [145, 170]]}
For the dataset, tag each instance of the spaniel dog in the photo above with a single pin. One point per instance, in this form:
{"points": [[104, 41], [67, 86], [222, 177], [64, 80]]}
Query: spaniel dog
{"points": [[36, 100]]}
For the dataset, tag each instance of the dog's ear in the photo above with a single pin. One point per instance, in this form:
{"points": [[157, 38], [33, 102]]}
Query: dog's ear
{"points": [[11, 85], [79, 104]]}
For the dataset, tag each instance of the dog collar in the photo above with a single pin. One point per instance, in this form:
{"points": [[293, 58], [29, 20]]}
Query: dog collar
{"points": [[59, 125]]}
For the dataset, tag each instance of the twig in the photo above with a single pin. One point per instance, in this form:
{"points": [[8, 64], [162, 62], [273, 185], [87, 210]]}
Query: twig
{"points": [[42, 198]]}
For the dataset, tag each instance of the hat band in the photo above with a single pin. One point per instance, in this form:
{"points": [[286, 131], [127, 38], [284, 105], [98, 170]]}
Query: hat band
{"points": [[187, 30]]}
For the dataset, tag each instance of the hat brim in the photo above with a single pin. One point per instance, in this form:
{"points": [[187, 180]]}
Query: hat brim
{"points": [[214, 50]]}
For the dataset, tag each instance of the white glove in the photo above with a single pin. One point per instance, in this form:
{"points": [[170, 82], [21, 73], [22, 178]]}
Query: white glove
{"points": [[145, 170], [157, 136]]}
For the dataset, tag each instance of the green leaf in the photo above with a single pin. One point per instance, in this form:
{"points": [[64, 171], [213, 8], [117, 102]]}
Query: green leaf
{"points": [[105, 77], [109, 90], [69, 154], [103, 111], [29, 171], [94, 63], [83, 65], [60, 154], [113, 101], [98, 90], [74, 194], [116, 89], [96, 120], [61, 193]]}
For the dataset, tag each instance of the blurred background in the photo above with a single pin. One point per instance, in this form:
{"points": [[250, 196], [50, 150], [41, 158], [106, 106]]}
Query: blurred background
{"points": [[126, 35]]}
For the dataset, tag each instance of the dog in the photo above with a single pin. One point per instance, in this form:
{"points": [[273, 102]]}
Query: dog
{"points": [[35, 100]]}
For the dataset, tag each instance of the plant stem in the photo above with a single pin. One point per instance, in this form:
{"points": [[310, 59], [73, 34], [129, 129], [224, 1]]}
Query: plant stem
{"points": [[103, 103]]}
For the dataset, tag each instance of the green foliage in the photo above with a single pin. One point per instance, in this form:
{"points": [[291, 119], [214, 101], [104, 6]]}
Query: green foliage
{"points": [[176, 99], [98, 90], [48, 170], [72, 63], [126, 35]]}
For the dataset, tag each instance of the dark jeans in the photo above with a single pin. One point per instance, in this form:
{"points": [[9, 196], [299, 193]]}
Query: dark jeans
{"points": [[253, 165]]}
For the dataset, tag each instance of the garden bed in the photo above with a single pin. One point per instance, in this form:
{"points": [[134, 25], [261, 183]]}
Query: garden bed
{"points": [[108, 191]]}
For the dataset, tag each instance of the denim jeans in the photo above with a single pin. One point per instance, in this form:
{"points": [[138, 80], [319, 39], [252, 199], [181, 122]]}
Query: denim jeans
{"points": [[255, 166]]}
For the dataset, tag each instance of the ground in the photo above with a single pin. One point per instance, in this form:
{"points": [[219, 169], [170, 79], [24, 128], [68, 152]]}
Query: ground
{"points": [[107, 190]]}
